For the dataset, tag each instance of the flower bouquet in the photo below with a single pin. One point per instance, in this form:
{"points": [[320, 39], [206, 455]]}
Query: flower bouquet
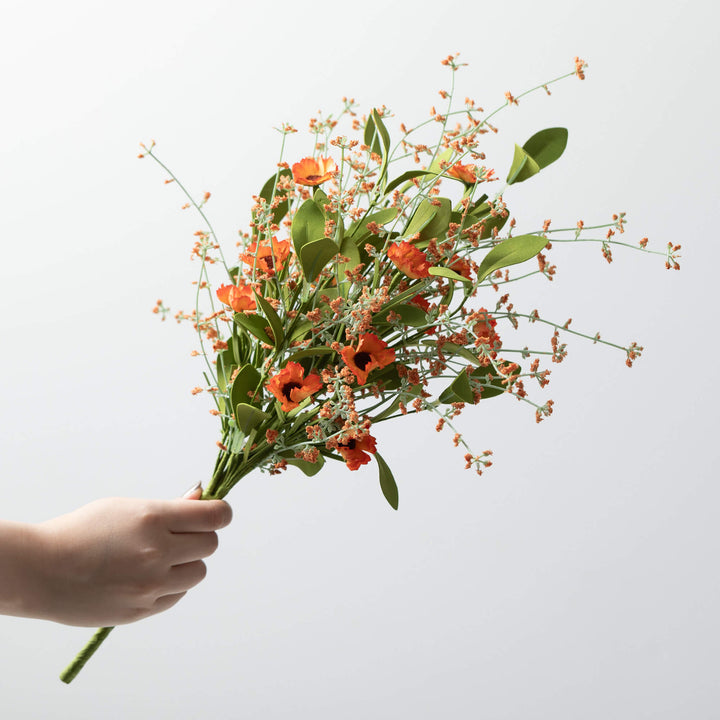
{"points": [[369, 285]]}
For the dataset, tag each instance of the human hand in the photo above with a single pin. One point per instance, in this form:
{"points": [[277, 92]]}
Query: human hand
{"points": [[118, 560]]}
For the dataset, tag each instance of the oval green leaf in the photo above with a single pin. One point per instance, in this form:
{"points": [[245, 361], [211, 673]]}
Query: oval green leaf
{"points": [[255, 325], [307, 225], [448, 273], [512, 251], [522, 168], [387, 482], [272, 318], [248, 417], [245, 384], [547, 146], [315, 255]]}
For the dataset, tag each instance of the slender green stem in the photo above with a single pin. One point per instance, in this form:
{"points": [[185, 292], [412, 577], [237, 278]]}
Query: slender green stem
{"points": [[71, 671]]}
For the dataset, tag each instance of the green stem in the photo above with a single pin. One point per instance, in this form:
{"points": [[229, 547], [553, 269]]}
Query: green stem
{"points": [[69, 673]]}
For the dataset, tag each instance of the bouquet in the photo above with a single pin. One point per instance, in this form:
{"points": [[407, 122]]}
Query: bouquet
{"points": [[371, 284]]}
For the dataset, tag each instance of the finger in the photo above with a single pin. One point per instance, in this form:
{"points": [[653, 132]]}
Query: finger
{"points": [[202, 516], [166, 602], [181, 578], [186, 547], [194, 493]]}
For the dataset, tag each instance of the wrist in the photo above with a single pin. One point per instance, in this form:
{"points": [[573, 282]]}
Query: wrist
{"points": [[22, 558]]}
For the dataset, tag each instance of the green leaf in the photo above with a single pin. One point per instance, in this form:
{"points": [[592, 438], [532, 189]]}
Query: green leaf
{"points": [[441, 162], [308, 468], [405, 177], [453, 349], [425, 212], [522, 168], [300, 330], [538, 152], [387, 482], [438, 225], [315, 255], [272, 318], [310, 352], [267, 192], [459, 390], [381, 217], [378, 139], [481, 213], [448, 273], [307, 225], [512, 251], [547, 146], [349, 249], [225, 366], [248, 417], [376, 136], [320, 199], [410, 314], [254, 324], [245, 384]]}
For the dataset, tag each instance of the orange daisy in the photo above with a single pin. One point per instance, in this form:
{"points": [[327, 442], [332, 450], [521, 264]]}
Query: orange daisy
{"points": [[238, 297], [371, 353], [356, 451], [268, 258], [290, 386], [409, 260], [311, 171], [466, 173]]}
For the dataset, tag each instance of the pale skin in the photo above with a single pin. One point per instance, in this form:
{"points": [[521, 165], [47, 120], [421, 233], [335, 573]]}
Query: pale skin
{"points": [[111, 562]]}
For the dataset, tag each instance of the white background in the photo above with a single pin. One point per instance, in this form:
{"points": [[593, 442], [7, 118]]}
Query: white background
{"points": [[577, 577]]}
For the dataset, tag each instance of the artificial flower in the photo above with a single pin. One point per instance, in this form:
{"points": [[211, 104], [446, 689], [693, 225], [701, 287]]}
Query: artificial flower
{"points": [[409, 260], [313, 171], [356, 451], [466, 173], [238, 297], [290, 386], [267, 258], [371, 353]]}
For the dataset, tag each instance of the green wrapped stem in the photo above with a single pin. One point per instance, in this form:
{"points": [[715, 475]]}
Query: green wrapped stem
{"points": [[68, 675]]}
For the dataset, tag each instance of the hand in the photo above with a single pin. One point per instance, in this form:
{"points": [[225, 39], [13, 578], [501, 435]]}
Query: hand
{"points": [[118, 560]]}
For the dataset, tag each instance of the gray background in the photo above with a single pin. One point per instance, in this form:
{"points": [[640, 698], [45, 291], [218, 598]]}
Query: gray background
{"points": [[578, 577]]}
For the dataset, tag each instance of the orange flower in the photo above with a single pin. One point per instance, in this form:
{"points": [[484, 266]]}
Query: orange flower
{"points": [[355, 451], [310, 171], [238, 297], [460, 265], [408, 259], [371, 353], [466, 173], [291, 388], [267, 259]]}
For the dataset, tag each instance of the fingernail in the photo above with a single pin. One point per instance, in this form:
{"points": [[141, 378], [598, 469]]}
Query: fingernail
{"points": [[193, 490]]}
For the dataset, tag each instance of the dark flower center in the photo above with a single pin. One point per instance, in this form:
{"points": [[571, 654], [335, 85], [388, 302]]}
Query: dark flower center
{"points": [[287, 388], [362, 359], [313, 178]]}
